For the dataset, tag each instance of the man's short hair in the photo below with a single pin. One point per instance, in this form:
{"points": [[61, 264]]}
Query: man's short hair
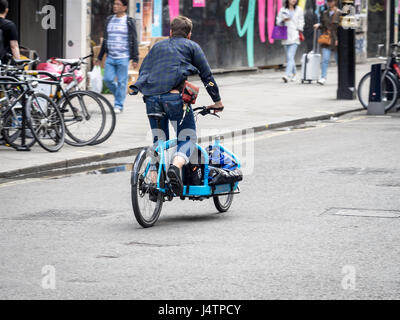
{"points": [[3, 6], [181, 26], [124, 2]]}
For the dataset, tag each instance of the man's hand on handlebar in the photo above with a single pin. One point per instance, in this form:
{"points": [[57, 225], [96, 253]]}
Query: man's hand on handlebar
{"points": [[217, 107]]}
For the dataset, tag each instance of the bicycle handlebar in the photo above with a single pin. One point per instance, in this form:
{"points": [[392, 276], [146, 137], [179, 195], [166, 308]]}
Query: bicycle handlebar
{"points": [[204, 111]]}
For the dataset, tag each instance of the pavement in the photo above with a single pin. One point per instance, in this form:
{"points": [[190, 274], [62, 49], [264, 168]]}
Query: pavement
{"points": [[254, 99]]}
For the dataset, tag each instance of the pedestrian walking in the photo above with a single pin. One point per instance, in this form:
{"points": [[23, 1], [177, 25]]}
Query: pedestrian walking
{"points": [[162, 78], [328, 41], [121, 45], [291, 16], [8, 35]]}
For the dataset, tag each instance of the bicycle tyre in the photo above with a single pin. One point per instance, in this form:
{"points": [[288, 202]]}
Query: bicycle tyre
{"points": [[111, 120], [46, 122], [388, 97], [223, 206], [13, 138], [140, 200], [72, 120]]}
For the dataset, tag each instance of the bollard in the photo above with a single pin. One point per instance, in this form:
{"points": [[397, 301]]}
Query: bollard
{"points": [[375, 104]]}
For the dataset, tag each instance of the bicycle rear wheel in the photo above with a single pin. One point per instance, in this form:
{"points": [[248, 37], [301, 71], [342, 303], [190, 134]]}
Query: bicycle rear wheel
{"points": [[84, 118], [146, 211], [45, 121], [111, 120], [389, 86]]}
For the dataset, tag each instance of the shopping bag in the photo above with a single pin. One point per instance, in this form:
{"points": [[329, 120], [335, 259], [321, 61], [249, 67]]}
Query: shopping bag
{"points": [[96, 79], [279, 33]]}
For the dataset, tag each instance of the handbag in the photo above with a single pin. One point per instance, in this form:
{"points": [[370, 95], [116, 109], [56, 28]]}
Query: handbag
{"points": [[301, 36], [279, 33], [325, 39]]}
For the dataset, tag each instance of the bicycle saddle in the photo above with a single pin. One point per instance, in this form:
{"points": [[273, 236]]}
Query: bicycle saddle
{"points": [[22, 62], [157, 116], [71, 62]]}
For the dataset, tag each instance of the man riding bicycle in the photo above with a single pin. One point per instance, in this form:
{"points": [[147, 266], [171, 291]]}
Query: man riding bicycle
{"points": [[161, 80]]}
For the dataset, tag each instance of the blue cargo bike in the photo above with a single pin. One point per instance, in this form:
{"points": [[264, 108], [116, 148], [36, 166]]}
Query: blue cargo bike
{"points": [[216, 176]]}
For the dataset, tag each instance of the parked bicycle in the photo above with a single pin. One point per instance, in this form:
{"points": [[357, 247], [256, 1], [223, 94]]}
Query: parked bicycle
{"points": [[216, 176], [72, 90], [89, 117], [28, 116], [83, 112], [390, 81]]}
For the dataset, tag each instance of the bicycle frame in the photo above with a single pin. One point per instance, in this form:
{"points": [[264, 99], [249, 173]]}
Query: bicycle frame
{"points": [[204, 190]]}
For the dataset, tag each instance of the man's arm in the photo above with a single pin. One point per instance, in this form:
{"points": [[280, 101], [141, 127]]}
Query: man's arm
{"points": [[135, 48], [13, 36], [103, 48], [15, 49], [200, 62], [101, 54]]}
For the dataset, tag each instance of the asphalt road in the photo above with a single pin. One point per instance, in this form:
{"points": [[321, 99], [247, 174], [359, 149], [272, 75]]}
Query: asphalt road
{"points": [[291, 234]]}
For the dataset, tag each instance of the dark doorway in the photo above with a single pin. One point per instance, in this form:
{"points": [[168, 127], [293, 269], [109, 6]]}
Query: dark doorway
{"points": [[28, 16]]}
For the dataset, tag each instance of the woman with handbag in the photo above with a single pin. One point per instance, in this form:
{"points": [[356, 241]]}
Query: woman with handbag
{"points": [[292, 17], [328, 40]]}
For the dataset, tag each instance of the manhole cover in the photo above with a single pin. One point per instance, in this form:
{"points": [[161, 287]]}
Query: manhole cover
{"points": [[367, 213], [360, 171]]}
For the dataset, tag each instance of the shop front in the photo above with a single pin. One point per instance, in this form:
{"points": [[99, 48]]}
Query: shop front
{"points": [[40, 25]]}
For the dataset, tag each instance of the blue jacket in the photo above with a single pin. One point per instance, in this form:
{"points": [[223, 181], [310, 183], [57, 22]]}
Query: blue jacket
{"points": [[168, 65]]}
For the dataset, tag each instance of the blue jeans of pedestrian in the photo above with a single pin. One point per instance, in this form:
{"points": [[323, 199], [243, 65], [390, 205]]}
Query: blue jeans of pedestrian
{"points": [[291, 50], [172, 105], [326, 59], [117, 69]]}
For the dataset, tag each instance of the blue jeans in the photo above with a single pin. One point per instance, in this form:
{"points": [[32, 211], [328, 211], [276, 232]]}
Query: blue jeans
{"points": [[117, 68], [172, 105], [326, 58], [291, 50]]}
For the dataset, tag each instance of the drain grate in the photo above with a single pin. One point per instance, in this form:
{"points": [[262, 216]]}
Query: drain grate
{"points": [[151, 245], [364, 213], [390, 184], [63, 215]]}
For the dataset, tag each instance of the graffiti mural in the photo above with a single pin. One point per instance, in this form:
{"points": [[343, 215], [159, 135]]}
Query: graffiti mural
{"points": [[251, 20], [232, 14], [173, 9]]}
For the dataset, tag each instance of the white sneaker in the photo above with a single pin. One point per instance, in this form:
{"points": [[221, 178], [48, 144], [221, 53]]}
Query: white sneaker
{"points": [[285, 79], [321, 81], [117, 110], [293, 78]]}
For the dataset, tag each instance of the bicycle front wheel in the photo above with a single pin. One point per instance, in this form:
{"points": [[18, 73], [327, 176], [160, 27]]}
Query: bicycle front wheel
{"points": [[146, 203], [84, 118], [45, 121], [223, 203], [389, 87], [12, 130]]}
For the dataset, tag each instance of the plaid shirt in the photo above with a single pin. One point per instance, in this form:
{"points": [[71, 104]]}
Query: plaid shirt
{"points": [[169, 63]]}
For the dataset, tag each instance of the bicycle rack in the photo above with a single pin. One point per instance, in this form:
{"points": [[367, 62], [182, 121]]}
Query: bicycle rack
{"points": [[375, 103]]}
